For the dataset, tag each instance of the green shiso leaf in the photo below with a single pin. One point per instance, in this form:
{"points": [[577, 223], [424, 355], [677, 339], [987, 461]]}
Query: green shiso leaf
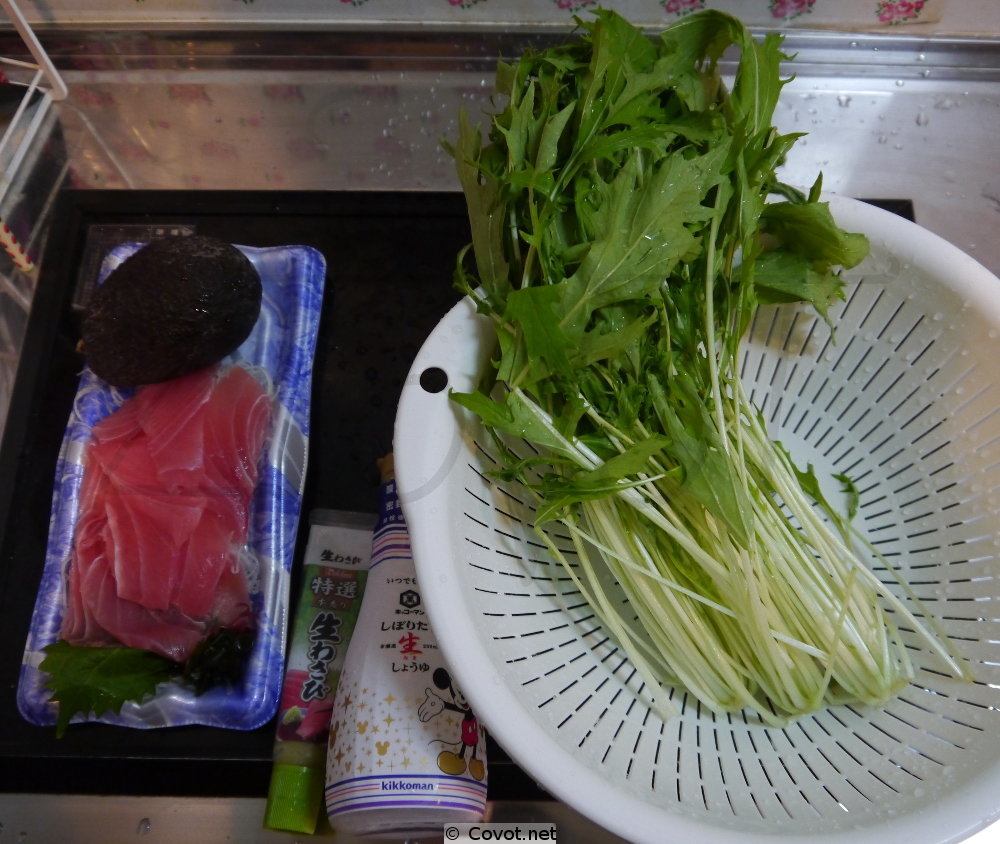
{"points": [[95, 681]]}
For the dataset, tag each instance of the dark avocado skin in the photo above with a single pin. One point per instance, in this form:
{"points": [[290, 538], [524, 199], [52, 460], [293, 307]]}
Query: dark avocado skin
{"points": [[177, 305]]}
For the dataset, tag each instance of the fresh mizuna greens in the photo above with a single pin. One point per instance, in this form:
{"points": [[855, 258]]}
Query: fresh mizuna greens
{"points": [[626, 221]]}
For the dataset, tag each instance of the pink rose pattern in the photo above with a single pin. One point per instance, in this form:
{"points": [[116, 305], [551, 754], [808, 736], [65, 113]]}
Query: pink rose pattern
{"points": [[574, 5], [679, 8], [886, 11], [788, 9], [899, 11]]}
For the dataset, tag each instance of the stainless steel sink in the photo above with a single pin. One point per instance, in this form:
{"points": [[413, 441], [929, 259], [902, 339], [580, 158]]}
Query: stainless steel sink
{"points": [[886, 116]]}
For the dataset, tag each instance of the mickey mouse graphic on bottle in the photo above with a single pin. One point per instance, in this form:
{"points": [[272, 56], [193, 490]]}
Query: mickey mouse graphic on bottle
{"points": [[406, 753], [453, 761]]}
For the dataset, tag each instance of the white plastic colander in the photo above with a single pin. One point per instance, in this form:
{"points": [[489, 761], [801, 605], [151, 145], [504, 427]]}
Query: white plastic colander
{"points": [[904, 399]]}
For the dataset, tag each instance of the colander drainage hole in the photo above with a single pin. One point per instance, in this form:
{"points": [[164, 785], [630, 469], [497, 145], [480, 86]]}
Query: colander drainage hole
{"points": [[433, 379]]}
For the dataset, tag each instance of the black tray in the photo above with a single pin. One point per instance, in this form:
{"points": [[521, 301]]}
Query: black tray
{"points": [[390, 259]]}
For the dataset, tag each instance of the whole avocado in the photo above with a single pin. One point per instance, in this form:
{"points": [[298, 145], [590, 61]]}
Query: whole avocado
{"points": [[176, 305]]}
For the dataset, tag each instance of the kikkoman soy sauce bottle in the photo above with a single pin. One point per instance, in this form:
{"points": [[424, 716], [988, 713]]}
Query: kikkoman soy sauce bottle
{"points": [[406, 754]]}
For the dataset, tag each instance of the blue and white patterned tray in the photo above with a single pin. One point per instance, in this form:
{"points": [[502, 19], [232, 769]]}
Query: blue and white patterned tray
{"points": [[283, 344]]}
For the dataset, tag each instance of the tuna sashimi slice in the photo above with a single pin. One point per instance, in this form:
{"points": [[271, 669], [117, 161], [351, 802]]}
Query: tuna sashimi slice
{"points": [[236, 424], [152, 527], [124, 461], [169, 415], [157, 561], [120, 426], [125, 622], [208, 552]]}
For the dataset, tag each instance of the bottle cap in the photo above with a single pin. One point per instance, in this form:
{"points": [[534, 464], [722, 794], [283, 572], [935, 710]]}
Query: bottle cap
{"points": [[294, 798]]}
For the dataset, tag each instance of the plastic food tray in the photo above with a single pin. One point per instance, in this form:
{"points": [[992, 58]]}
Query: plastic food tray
{"points": [[282, 343], [902, 397]]}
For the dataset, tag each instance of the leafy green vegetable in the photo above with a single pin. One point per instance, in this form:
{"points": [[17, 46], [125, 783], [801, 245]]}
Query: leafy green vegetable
{"points": [[99, 680], [624, 229]]}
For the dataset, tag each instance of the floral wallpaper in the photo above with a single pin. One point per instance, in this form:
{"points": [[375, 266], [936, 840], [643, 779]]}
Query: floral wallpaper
{"points": [[946, 16], [824, 12]]}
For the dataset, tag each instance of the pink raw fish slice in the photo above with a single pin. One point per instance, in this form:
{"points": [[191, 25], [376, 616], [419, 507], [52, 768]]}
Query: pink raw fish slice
{"points": [[118, 426], [170, 416], [166, 633], [124, 460], [147, 534], [156, 565], [235, 428], [207, 554], [79, 625]]}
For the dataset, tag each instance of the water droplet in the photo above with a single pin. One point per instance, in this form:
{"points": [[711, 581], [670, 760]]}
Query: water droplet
{"points": [[900, 83], [882, 139], [925, 74], [921, 57], [854, 43], [143, 827], [922, 118], [843, 100]]}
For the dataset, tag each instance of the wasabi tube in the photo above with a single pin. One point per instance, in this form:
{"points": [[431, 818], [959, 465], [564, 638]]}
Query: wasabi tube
{"points": [[334, 571]]}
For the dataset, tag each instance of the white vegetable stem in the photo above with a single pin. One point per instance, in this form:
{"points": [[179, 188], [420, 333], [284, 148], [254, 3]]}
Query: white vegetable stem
{"points": [[783, 625]]}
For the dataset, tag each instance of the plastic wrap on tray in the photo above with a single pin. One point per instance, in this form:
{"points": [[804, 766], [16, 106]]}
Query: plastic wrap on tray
{"points": [[282, 343]]}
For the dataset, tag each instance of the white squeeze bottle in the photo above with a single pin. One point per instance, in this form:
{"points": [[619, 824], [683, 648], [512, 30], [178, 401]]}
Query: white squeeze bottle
{"points": [[406, 754]]}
